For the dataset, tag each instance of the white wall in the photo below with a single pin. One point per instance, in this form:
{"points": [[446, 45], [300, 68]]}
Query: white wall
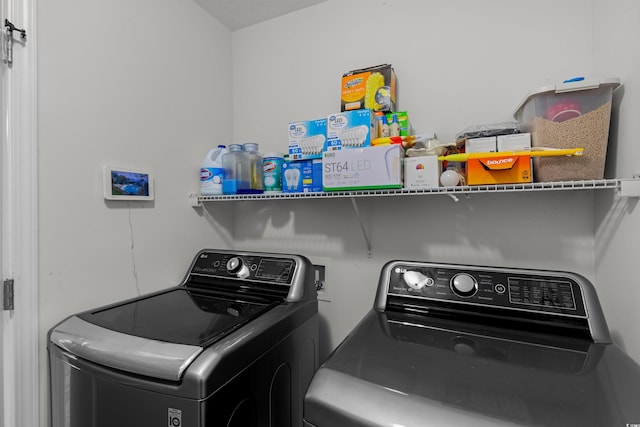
{"points": [[146, 83], [458, 63], [618, 221], [142, 83]]}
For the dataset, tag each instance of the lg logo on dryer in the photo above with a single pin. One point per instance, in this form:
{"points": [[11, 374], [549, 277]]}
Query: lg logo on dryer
{"points": [[175, 418]]}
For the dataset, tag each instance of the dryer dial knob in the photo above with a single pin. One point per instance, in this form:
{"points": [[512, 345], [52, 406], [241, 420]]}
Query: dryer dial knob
{"points": [[464, 285], [236, 266]]}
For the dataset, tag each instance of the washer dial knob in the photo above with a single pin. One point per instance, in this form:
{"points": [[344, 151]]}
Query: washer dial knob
{"points": [[464, 285]]}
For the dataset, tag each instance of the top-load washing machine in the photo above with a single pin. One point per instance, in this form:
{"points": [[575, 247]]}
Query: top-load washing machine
{"points": [[457, 345], [235, 344]]}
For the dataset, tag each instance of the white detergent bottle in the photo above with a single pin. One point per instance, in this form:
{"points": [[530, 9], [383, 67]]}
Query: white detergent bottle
{"points": [[212, 172]]}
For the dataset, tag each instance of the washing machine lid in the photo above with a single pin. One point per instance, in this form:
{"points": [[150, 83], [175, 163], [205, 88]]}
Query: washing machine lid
{"points": [[180, 316], [157, 335], [403, 370]]}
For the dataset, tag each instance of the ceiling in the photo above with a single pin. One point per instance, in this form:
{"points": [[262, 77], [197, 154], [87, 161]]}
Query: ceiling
{"points": [[238, 14]]}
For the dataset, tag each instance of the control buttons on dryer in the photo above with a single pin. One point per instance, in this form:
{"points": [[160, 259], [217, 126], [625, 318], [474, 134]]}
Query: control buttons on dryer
{"points": [[500, 288], [416, 280], [464, 285], [236, 266]]}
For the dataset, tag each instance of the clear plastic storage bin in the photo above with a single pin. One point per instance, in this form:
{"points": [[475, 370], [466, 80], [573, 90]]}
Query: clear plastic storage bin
{"points": [[574, 114]]}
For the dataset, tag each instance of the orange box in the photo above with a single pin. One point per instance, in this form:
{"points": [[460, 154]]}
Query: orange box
{"points": [[373, 88], [507, 169]]}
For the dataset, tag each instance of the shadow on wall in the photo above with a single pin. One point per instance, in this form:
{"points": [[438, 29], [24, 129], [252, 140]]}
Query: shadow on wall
{"points": [[221, 221], [612, 145], [541, 230], [325, 344], [313, 226], [617, 338], [610, 211]]}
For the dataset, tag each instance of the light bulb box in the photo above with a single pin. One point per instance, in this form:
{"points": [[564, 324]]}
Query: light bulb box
{"points": [[422, 172], [507, 169], [307, 139], [350, 129], [514, 142], [485, 144], [302, 176], [366, 168]]}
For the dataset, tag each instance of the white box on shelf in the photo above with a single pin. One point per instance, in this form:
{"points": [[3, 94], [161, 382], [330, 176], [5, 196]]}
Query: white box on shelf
{"points": [[480, 145], [362, 168], [422, 172], [514, 142]]}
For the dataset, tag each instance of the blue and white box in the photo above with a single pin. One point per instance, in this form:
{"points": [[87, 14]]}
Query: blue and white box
{"points": [[350, 129], [307, 139], [303, 176]]}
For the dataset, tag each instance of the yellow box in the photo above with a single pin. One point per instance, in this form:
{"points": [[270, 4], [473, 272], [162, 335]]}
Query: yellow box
{"points": [[373, 88], [508, 169]]}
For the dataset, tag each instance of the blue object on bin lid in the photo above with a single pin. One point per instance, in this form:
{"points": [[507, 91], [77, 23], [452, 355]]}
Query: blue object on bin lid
{"points": [[574, 79], [571, 85]]}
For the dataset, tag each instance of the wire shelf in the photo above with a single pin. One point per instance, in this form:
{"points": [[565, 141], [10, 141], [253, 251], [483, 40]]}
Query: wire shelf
{"points": [[601, 184]]}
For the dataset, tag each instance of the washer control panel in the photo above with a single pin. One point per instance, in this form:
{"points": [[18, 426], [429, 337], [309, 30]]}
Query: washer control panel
{"points": [[250, 267], [504, 288]]}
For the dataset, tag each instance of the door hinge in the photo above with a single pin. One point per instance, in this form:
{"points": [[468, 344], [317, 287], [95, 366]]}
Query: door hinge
{"points": [[7, 40], [8, 294]]}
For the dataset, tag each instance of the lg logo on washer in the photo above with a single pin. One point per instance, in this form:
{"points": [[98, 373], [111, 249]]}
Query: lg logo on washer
{"points": [[175, 417]]}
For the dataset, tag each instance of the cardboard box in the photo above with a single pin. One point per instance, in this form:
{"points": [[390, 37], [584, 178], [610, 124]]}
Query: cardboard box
{"points": [[307, 139], [514, 142], [350, 129], [480, 145], [304, 176], [508, 169], [373, 88], [422, 172], [363, 168]]}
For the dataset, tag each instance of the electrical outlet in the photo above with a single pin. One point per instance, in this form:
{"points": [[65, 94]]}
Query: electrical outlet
{"points": [[320, 277]]}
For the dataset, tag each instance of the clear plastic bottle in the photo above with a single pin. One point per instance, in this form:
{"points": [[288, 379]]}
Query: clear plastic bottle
{"points": [[232, 162], [254, 172]]}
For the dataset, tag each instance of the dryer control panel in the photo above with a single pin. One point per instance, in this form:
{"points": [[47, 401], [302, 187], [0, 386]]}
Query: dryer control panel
{"points": [[548, 292], [246, 267]]}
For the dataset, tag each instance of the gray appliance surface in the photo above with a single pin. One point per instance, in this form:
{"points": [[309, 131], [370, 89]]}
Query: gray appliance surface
{"points": [[234, 344], [451, 345]]}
